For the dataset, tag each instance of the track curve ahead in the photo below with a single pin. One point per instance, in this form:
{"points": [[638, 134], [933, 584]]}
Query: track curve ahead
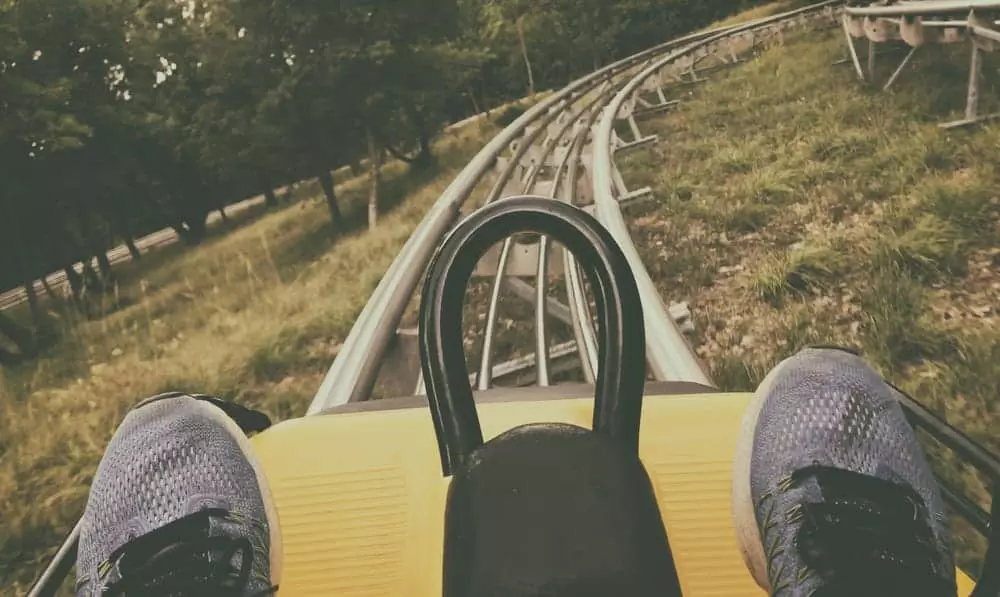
{"points": [[563, 148]]}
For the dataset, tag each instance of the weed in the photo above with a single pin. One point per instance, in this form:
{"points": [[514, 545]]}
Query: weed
{"points": [[797, 272], [967, 200], [927, 249], [733, 374], [896, 329], [743, 217]]}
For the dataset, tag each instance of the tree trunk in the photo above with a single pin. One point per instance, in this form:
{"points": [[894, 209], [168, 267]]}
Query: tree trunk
{"points": [[48, 288], [92, 285], [26, 263], [424, 156], [221, 206], [132, 249], [270, 199], [37, 317], [76, 290], [190, 225], [594, 54], [524, 54], [124, 228], [475, 105], [326, 182], [486, 97], [90, 277], [195, 227], [180, 230], [374, 177], [75, 287], [42, 326], [7, 358], [104, 264], [355, 166]]}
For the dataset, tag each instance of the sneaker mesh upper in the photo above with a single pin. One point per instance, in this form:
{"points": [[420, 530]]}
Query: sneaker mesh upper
{"points": [[827, 407], [166, 460]]}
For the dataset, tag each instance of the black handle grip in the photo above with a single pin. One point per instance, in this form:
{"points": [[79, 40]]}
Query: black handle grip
{"points": [[622, 347]]}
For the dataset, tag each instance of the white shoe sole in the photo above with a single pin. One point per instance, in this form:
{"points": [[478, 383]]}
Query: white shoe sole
{"points": [[273, 524], [744, 519]]}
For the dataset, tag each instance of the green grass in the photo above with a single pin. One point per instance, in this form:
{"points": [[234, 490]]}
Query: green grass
{"points": [[805, 269], [758, 12], [254, 314], [793, 205]]}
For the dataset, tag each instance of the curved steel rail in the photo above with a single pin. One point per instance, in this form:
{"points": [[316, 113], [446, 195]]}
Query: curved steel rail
{"points": [[541, 362], [670, 356], [353, 374]]}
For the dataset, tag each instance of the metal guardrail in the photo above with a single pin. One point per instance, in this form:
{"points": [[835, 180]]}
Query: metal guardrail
{"points": [[669, 354], [922, 22], [922, 8]]}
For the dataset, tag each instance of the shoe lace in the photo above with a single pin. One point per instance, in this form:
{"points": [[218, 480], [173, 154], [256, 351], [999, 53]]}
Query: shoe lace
{"points": [[182, 559], [867, 537]]}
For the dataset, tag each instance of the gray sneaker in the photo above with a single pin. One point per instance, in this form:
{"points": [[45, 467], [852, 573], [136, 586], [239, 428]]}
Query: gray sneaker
{"points": [[832, 495], [179, 507]]}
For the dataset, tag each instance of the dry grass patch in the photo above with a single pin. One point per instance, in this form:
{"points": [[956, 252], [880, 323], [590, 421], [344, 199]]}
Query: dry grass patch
{"points": [[255, 315]]}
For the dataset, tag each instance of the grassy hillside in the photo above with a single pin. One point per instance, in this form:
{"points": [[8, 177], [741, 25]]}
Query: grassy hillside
{"points": [[794, 206], [759, 12], [255, 314]]}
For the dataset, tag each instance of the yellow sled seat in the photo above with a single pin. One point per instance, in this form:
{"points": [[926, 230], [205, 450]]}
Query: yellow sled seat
{"points": [[361, 498]]}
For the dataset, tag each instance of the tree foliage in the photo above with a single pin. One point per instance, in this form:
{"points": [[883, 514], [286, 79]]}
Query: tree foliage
{"points": [[120, 117]]}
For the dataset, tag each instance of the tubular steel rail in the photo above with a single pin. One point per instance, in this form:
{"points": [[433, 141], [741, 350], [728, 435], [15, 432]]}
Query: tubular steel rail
{"points": [[918, 23], [670, 356]]}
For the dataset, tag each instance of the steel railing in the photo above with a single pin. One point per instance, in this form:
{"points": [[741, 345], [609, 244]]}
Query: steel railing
{"points": [[921, 23]]}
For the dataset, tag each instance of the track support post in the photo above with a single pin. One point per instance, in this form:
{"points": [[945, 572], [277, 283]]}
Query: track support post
{"points": [[975, 78], [851, 49], [899, 69]]}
